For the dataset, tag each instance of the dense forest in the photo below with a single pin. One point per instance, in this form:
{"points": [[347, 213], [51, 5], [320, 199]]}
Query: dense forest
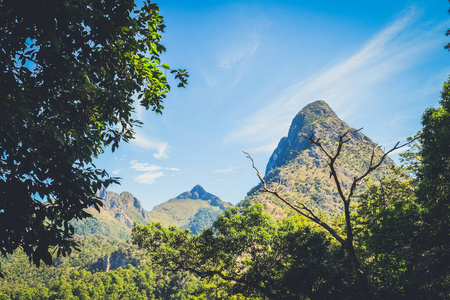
{"points": [[83, 276]]}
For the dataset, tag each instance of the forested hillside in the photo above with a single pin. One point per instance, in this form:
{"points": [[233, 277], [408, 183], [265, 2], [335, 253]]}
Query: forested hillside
{"points": [[194, 210], [104, 269]]}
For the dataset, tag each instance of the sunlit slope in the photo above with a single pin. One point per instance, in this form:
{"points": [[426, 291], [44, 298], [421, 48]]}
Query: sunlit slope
{"points": [[303, 169], [194, 209]]}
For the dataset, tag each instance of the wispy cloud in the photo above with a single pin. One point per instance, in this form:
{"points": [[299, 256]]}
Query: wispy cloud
{"points": [[151, 172], [393, 49], [225, 171], [148, 177], [172, 169], [116, 172], [120, 158], [161, 148], [144, 166]]}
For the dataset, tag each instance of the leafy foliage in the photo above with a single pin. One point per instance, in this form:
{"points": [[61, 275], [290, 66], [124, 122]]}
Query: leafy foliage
{"points": [[69, 71], [387, 225], [258, 257], [434, 194], [76, 277], [404, 225]]}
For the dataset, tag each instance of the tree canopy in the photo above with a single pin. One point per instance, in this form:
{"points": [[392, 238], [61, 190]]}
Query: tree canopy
{"points": [[70, 73], [259, 257]]}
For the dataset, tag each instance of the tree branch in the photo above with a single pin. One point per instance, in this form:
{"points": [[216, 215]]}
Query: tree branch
{"points": [[373, 166], [302, 210], [342, 141]]}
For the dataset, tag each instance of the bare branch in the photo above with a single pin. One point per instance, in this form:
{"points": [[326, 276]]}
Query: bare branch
{"points": [[302, 210], [373, 166], [317, 143], [333, 173], [305, 211]]}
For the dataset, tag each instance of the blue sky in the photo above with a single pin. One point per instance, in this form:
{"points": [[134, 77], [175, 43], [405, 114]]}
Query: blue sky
{"points": [[254, 64]]}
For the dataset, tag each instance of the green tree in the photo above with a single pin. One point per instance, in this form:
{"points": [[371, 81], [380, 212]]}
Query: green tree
{"points": [[254, 255], [387, 226], [404, 225], [434, 196], [69, 74]]}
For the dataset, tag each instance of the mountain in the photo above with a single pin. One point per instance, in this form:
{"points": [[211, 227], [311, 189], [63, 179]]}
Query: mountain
{"points": [[194, 209], [303, 169], [116, 217]]}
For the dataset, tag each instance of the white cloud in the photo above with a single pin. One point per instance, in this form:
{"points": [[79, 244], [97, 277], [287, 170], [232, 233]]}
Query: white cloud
{"points": [[148, 177], [144, 142], [172, 169], [116, 172], [225, 171], [345, 85], [143, 166], [151, 172]]}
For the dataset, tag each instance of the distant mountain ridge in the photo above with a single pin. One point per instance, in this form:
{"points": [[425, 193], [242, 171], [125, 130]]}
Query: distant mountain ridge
{"points": [[198, 192], [194, 209], [303, 168]]}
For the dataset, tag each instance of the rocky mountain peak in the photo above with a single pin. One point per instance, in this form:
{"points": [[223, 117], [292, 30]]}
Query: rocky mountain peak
{"points": [[317, 108], [131, 201], [197, 192], [302, 168], [315, 118], [194, 209]]}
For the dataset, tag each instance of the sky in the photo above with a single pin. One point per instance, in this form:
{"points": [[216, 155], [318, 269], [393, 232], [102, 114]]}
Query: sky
{"points": [[254, 65]]}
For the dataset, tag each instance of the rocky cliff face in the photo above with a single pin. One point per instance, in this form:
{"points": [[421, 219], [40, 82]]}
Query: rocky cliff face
{"points": [[125, 207], [117, 259], [302, 167], [116, 217]]}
